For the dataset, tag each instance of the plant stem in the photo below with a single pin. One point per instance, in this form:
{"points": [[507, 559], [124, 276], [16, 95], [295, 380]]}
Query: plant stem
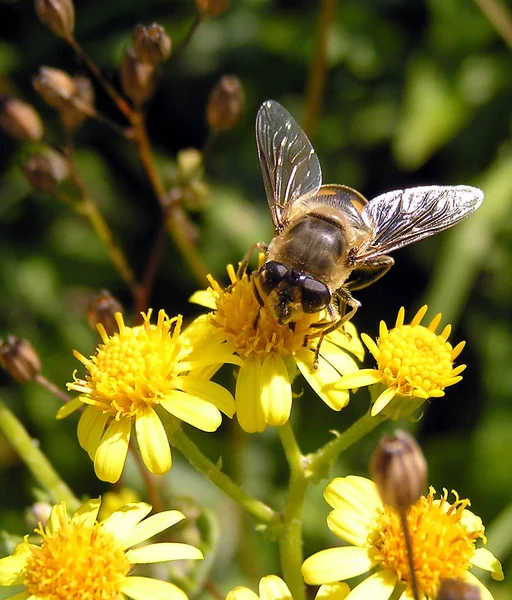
{"points": [[186, 40], [36, 461], [290, 536], [52, 388], [499, 16], [149, 481], [258, 510]]}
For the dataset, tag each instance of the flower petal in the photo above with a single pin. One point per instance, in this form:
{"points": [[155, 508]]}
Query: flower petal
{"points": [[249, 411], [336, 564], [346, 337], [203, 298], [358, 492], [242, 593], [111, 453], [146, 588], [378, 586], [161, 552], [69, 408], [272, 587], [21, 596], [90, 429], [152, 441], [383, 400], [485, 594], [122, 522], [212, 392], [359, 379], [333, 591], [153, 525], [12, 567], [486, 560], [87, 513], [193, 410], [276, 391]]}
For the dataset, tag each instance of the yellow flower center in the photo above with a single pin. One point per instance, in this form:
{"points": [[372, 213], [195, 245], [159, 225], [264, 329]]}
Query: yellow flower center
{"points": [[76, 563], [415, 360], [133, 368], [443, 543], [251, 328]]}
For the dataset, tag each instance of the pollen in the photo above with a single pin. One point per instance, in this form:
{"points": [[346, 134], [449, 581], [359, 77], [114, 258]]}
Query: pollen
{"points": [[251, 328], [133, 368], [77, 562], [442, 540]]}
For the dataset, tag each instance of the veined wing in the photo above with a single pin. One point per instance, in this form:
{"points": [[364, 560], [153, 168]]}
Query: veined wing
{"points": [[402, 217], [289, 165]]}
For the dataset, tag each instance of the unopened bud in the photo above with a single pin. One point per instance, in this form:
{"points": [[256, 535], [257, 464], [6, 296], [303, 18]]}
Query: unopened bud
{"points": [[19, 119], [399, 470], [151, 44], [102, 309], [71, 115], [19, 359], [58, 16], [212, 8], [457, 589], [137, 78], [225, 103], [45, 171], [56, 87], [38, 513]]}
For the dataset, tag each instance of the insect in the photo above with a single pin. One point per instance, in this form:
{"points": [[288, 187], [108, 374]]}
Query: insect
{"points": [[329, 240]]}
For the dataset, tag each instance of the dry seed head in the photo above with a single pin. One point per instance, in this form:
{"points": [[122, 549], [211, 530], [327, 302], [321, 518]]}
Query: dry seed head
{"points": [[58, 16], [56, 87], [19, 359], [137, 78], [19, 119], [399, 470], [457, 589], [151, 44], [225, 103], [102, 309], [45, 171], [212, 8], [71, 115]]}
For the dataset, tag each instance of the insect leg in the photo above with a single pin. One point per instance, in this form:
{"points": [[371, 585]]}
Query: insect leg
{"points": [[367, 272], [244, 263]]}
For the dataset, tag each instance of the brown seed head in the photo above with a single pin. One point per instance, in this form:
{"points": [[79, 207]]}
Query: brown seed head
{"points": [[19, 359], [72, 115], [58, 16], [151, 44], [45, 171], [19, 119], [457, 589], [137, 78], [399, 470], [225, 104], [56, 87], [102, 309], [212, 8]]}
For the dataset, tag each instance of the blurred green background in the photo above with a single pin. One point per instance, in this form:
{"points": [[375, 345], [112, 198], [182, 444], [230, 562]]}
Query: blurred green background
{"points": [[416, 93]]}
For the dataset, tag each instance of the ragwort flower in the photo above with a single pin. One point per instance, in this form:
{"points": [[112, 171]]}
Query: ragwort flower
{"points": [[133, 374], [443, 537], [272, 587], [271, 353], [413, 364], [80, 558]]}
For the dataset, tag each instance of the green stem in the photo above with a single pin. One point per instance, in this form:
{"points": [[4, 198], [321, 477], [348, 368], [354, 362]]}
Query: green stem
{"points": [[258, 510], [290, 536], [35, 460], [320, 461]]}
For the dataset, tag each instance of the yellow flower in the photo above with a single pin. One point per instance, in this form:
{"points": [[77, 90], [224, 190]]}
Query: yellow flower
{"points": [[413, 363], [272, 587], [443, 537], [271, 353], [80, 558], [135, 373]]}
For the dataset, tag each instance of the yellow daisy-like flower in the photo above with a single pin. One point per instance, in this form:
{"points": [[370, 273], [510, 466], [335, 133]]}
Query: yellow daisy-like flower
{"points": [[272, 587], [413, 362], [270, 351], [133, 374], [80, 558], [443, 538]]}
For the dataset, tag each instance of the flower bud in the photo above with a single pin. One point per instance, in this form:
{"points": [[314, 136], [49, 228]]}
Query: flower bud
{"points": [[71, 115], [399, 470], [19, 359], [58, 16], [211, 8], [137, 78], [225, 103], [102, 309], [151, 44], [19, 119], [38, 513], [56, 87], [45, 171], [457, 589]]}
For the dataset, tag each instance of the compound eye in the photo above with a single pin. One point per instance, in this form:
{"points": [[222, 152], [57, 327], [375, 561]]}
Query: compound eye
{"points": [[315, 295], [270, 275]]}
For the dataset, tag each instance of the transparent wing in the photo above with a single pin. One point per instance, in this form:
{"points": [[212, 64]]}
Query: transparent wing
{"points": [[290, 167], [404, 216]]}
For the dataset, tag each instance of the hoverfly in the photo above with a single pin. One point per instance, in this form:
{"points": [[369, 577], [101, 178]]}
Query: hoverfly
{"points": [[329, 240]]}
